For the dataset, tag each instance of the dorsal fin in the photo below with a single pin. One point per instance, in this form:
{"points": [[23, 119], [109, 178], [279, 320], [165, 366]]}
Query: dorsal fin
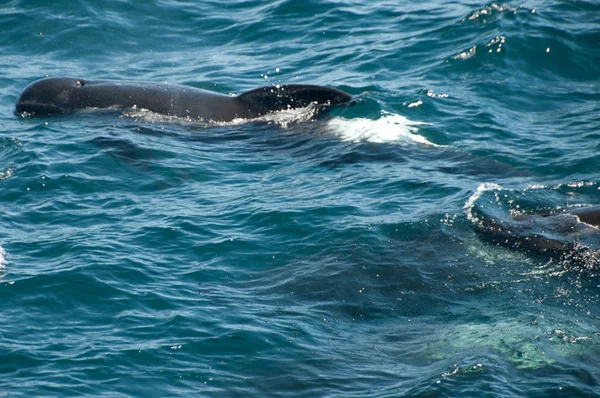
{"points": [[290, 96]]}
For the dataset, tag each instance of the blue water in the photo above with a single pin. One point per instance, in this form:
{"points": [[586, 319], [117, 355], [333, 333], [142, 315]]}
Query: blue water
{"points": [[149, 256]]}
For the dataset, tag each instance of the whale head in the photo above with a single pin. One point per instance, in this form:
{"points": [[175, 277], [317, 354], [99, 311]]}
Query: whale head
{"points": [[48, 96]]}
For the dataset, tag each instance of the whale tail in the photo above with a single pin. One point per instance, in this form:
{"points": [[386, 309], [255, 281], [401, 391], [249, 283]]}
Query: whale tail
{"points": [[291, 96]]}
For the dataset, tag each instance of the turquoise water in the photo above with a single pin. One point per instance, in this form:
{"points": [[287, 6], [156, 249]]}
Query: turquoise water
{"points": [[149, 256]]}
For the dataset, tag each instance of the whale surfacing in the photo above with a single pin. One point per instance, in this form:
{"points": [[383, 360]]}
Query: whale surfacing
{"points": [[59, 95], [572, 235]]}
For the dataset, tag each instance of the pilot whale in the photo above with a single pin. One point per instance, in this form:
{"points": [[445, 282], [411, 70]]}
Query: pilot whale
{"points": [[572, 234], [589, 215], [58, 95]]}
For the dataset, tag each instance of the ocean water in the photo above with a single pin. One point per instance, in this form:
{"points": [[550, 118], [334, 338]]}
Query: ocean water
{"points": [[298, 257]]}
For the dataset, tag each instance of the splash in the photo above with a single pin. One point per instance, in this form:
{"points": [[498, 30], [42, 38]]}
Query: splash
{"points": [[489, 13], [2, 258], [6, 173], [283, 118], [288, 117], [389, 127], [466, 54], [481, 189]]}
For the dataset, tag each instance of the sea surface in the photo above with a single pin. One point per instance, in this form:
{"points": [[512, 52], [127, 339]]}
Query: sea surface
{"points": [[300, 256]]}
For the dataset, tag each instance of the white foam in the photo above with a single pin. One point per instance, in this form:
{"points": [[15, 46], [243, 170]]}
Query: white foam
{"points": [[6, 174], [466, 54], [2, 258], [286, 117], [281, 118], [389, 128], [145, 115]]}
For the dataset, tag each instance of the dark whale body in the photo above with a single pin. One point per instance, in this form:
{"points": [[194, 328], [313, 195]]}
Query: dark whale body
{"points": [[589, 215], [57, 95], [572, 235]]}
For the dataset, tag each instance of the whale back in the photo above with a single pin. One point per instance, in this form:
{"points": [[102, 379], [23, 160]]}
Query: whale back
{"points": [[589, 215], [58, 95]]}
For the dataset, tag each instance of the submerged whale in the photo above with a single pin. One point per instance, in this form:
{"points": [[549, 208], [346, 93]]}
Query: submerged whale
{"points": [[572, 234], [57, 95], [589, 215]]}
